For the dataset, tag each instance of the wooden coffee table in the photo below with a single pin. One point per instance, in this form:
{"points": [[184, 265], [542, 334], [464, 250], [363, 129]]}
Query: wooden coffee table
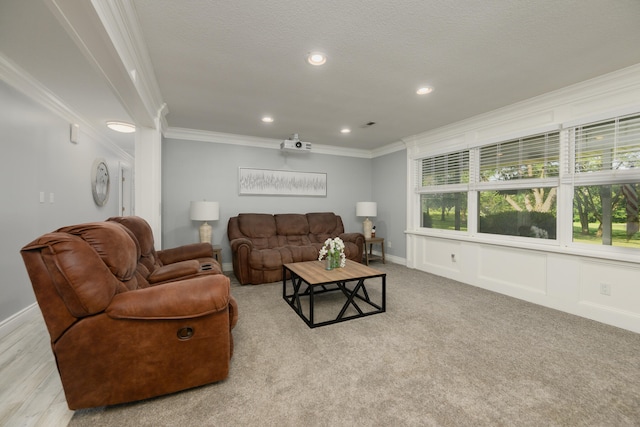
{"points": [[310, 279]]}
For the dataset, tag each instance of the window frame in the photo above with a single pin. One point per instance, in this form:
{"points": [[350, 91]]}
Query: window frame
{"points": [[446, 188], [600, 177]]}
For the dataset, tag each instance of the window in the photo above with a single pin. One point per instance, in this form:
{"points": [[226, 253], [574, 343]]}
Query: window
{"points": [[534, 157], [443, 186], [518, 182], [608, 146], [606, 169], [512, 187], [446, 211], [606, 215]]}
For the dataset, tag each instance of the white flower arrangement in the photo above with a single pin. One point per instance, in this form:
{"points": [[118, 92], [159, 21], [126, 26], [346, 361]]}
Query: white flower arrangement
{"points": [[335, 248]]}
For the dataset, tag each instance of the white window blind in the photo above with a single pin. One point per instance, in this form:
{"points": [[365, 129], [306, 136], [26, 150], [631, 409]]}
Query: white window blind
{"points": [[532, 157], [610, 145], [444, 170]]}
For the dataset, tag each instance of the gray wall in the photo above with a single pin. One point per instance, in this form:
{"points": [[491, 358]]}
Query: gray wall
{"points": [[389, 190], [193, 170], [38, 157]]}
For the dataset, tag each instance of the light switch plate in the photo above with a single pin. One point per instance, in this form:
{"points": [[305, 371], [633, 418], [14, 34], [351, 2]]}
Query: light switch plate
{"points": [[75, 130]]}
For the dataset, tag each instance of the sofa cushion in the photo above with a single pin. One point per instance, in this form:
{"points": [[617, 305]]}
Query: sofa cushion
{"points": [[265, 259], [292, 230], [323, 225], [299, 253], [260, 228], [291, 225]]}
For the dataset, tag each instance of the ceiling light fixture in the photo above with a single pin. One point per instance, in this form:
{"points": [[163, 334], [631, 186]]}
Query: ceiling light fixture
{"points": [[121, 127], [267, 119], [316, 58], [345, 130], [424, 90]]}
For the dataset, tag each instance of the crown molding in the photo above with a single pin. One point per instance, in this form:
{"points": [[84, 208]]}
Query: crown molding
{"points": [[546, 104], [108, 35], [389, 149], [256, 142], [121, 23], [22, 81]]}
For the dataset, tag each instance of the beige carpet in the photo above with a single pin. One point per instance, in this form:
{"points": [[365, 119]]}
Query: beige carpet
{"points": [[444, 354]]}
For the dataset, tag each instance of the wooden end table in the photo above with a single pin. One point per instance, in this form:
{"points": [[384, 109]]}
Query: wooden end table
{"points": [[368, 256], [217, 254]]}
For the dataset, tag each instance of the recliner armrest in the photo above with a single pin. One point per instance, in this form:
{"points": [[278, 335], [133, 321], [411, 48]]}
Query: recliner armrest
{"points": [[176, 300], [186, 252], [174, 271]]}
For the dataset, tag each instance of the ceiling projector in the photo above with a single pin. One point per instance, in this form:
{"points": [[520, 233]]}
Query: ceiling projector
{"points": [[294, 144]]}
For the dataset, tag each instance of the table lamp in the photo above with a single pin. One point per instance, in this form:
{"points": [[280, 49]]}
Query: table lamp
{"points": [[205, 211], [367, 209]]}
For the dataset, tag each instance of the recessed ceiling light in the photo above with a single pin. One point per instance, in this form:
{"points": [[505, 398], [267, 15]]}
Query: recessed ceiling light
{"points": [[121, 127], [424, 90], [316, 58], [345, 130], [267, 119]]}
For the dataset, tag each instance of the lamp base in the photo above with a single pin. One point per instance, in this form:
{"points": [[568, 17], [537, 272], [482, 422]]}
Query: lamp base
{"points": [[368, 226], [206, 233]]}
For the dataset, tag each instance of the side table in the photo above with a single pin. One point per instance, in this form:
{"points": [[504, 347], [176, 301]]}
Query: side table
{"points": [[217, 254], [368, 256]]}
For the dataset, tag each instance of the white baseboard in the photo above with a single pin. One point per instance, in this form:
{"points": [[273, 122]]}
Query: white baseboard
{"points": [[10, 324], [391, 258]]}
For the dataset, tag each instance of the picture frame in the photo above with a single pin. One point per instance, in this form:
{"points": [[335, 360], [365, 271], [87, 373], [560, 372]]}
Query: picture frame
{"points": [[281, 182]]}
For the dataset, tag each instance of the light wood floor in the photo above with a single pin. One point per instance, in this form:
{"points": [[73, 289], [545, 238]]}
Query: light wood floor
{"points": [[30, 389]]}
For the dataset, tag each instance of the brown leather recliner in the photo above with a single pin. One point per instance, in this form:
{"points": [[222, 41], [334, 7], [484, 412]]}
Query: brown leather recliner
{"points": [[115, 340], [169, 264], [262, 243]]}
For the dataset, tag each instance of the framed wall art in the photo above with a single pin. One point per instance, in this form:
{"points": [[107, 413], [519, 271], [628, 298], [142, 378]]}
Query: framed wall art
{"points": [[282, 183]]}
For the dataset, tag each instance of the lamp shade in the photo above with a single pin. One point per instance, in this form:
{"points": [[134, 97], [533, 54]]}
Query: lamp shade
{"points": [[204, 211], [368, 209]]}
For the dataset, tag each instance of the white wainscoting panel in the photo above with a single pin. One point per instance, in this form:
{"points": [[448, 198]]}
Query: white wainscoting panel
{"points": [[436, 256], [511, 267], [622, 280], [566, 282]]}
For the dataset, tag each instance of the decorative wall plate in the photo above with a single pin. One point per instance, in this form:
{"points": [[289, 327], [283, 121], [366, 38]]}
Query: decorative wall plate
{"points": [[100, 181]]}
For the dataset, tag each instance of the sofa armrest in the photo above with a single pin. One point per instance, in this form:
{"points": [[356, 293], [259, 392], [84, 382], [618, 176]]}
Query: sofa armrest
{"points": [[176, 300], [174, 271], [186, 252], [357, 238], [237, 243], [241, 249]]}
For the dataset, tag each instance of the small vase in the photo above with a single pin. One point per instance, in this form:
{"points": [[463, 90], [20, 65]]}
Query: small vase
{"points": [[335, 261], [328, 262]]}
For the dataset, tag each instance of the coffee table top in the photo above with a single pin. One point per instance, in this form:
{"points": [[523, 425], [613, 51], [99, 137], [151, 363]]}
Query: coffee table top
{"points": [[314, 272]]}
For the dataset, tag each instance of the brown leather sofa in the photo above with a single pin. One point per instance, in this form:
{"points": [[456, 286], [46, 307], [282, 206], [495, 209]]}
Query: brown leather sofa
{"points": [[165, 265], [262, 243], [116, 338]]}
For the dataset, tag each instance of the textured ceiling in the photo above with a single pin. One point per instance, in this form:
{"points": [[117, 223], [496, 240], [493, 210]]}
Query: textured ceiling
{"points": [[221, 65]]}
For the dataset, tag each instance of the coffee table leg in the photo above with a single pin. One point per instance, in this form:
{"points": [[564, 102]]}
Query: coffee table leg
{"points": [[311, 306], [350, 296], [294, 298]]}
